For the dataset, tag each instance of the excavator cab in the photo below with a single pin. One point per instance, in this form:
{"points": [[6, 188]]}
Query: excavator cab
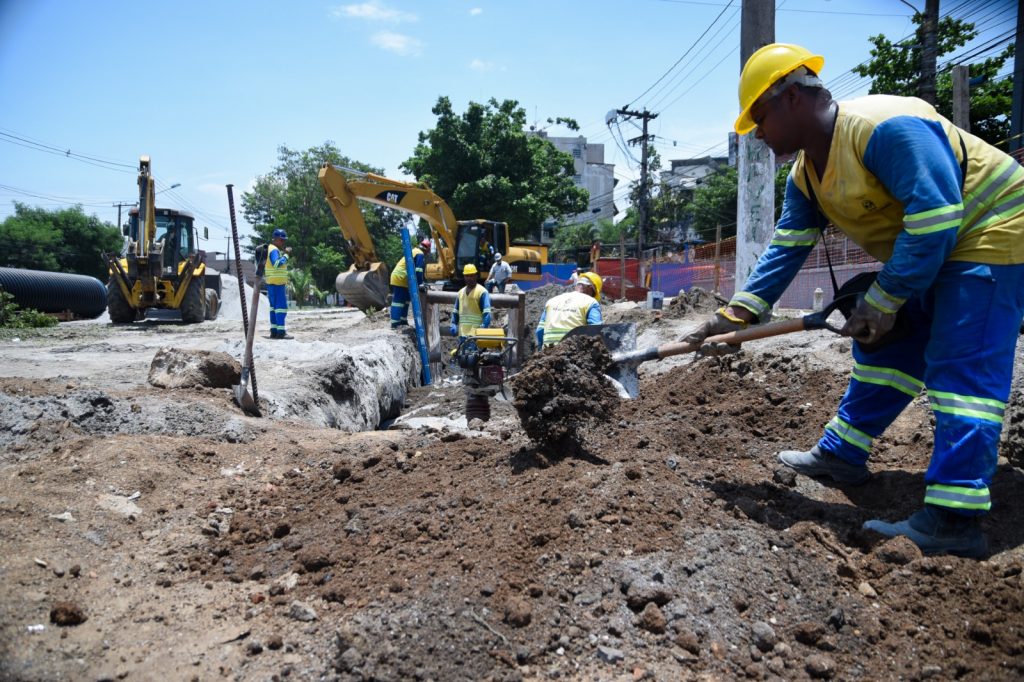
{"points": [[476, 242]]}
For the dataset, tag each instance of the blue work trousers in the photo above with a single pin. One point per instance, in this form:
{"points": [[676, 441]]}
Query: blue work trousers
{"points": [[961, 350], [277, 297], [399, 305]]}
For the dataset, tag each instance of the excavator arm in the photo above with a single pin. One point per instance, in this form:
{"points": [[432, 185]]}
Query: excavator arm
{"points": [[365, 284]]}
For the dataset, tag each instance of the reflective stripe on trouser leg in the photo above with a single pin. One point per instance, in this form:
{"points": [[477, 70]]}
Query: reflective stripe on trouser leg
{"points": [[399, 304], [970, 367], [882, 384], [277, 300]]}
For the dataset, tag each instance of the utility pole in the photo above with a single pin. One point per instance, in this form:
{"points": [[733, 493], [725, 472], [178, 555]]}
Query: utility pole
{"points": [[962, 98], [118, 206], [1017, 115], [755, 201], [929, 51], [645, 116]]}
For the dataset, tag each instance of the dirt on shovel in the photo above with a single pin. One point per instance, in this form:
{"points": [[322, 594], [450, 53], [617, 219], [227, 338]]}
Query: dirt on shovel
{"points": [[562, 392]]}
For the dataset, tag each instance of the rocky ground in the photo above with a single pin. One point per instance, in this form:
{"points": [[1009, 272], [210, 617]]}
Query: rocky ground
{"points": [[159, 532]]}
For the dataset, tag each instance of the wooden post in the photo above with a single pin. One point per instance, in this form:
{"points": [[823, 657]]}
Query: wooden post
{"points": [[622, 262], [718, 253], [962, 98]]}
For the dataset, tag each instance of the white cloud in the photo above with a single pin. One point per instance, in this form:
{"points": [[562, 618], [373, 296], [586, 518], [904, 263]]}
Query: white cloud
{"points": [[398, 43], [476, 11], [481, 66], [373, 11]]}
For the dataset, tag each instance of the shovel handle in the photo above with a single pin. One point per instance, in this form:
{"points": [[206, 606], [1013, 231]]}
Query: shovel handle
{"points": [[761, 331]]}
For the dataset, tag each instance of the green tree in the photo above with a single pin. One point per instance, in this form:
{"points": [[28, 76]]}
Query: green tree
{"points": [[290, 197], [894, 71], [62, 240], [485, 164], [303, 287]]}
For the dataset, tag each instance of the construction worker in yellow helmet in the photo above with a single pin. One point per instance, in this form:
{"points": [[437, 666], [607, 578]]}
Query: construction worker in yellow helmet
{"points": [[472, 305], [573, 309], [940, 209]]}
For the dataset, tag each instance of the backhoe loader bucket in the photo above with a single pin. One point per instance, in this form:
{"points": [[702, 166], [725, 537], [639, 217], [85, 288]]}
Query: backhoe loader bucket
{"points": [[364, 289]]}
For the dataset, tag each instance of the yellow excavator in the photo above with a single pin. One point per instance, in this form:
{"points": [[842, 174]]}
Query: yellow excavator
{"points": [[162, 266], [457, 242]]}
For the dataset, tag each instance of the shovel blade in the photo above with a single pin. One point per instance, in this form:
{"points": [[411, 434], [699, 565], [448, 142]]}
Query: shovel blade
{"points": [[244, 398], [618, 338]]}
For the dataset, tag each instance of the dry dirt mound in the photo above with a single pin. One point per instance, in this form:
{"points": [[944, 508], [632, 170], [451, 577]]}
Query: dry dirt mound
{"points": [[696, 300], [681, 550], [562, 393]]}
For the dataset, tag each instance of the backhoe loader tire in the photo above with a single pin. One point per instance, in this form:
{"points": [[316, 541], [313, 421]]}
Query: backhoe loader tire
{"points": [[193, 306], [118, 308], [212, 304]]}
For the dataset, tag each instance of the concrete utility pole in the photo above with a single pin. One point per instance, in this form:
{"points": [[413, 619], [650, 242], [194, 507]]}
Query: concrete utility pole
{"points": [[118, 206], [1017, 115], [755, 201], [962, 97], [645, 116], [929, 50]]}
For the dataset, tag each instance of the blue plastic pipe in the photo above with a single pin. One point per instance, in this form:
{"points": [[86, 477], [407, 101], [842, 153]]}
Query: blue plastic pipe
{"points": [[417, 313]]}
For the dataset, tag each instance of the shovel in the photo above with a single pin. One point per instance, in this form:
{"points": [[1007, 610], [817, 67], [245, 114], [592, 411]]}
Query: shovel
{"points": [[242, 395], [620, 339]]}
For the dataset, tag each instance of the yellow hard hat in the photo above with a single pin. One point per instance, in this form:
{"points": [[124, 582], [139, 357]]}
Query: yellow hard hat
{"points": [[469, 269], [763, 69], [595, 281]]}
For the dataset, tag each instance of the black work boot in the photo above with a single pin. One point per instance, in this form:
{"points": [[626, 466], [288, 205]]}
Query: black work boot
{"points": [[938, 531], [817, 462]]}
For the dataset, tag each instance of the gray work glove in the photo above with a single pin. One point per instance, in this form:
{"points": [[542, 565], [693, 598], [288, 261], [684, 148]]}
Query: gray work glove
{"points": [[721, 323], [868, 324]]}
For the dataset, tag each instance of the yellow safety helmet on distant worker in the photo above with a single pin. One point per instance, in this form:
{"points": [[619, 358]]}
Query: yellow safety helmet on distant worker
{"points": [[469, 269], [595, 281], [764, 68]]}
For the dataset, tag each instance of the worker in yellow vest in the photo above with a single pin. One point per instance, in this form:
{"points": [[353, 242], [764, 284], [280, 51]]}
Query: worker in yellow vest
{"points": [[576, 308], [400, 285], [276, 277], [472, 305]]}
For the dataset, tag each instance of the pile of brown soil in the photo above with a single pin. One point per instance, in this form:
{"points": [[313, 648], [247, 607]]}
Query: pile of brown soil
{"points": [[696, 300], [561, 392]]}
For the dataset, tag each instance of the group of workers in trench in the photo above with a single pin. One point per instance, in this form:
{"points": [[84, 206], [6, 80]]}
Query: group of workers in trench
{"points": [[943, 211]]}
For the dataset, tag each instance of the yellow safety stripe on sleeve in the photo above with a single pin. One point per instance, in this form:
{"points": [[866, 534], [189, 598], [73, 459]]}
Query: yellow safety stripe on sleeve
{"points": [[1008, 208], [851, 435], [989, 188], [958, 497], [878, 298], [795, 237], [887, 376], [754, 304], [987, 409], [934, 220]]}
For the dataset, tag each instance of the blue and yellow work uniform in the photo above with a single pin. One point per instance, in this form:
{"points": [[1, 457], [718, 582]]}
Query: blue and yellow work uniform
{"points": [[276, 277], [953, 248], [564, 313], [472, 310], [400, 287]]}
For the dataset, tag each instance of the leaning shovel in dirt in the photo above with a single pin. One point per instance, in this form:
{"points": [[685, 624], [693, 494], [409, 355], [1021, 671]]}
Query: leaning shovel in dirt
{"points": [[620, 339], [242, 395]]}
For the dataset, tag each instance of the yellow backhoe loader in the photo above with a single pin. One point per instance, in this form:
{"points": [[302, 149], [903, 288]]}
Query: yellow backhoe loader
{"points": [[456, 242], [162, 266]]}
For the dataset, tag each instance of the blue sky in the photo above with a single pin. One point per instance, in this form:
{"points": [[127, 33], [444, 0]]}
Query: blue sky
{"points": [[209, 90]]}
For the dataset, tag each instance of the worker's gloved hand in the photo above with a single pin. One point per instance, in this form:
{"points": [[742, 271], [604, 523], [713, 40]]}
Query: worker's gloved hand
{"points": [[287, 249], [722, 323], [423, 288], [868, 324], [453, 330]]}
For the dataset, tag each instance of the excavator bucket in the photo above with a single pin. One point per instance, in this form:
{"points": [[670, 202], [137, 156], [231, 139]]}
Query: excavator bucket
{"points": [[364, 289]]}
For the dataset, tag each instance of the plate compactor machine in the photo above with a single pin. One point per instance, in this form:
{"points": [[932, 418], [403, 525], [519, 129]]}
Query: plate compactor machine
{"points": [[486, 362]]}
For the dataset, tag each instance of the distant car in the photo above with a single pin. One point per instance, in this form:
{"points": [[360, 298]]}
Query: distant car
{"points": [[612, 290]]}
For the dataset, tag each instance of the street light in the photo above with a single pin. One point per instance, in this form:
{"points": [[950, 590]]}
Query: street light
{"points": [[177, 184]]}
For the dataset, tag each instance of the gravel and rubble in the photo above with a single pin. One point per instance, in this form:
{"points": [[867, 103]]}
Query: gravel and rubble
{"points": [[151, 532]]}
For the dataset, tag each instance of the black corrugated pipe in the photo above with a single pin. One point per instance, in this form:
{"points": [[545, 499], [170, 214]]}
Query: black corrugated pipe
{"points": [[55, 292]]}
